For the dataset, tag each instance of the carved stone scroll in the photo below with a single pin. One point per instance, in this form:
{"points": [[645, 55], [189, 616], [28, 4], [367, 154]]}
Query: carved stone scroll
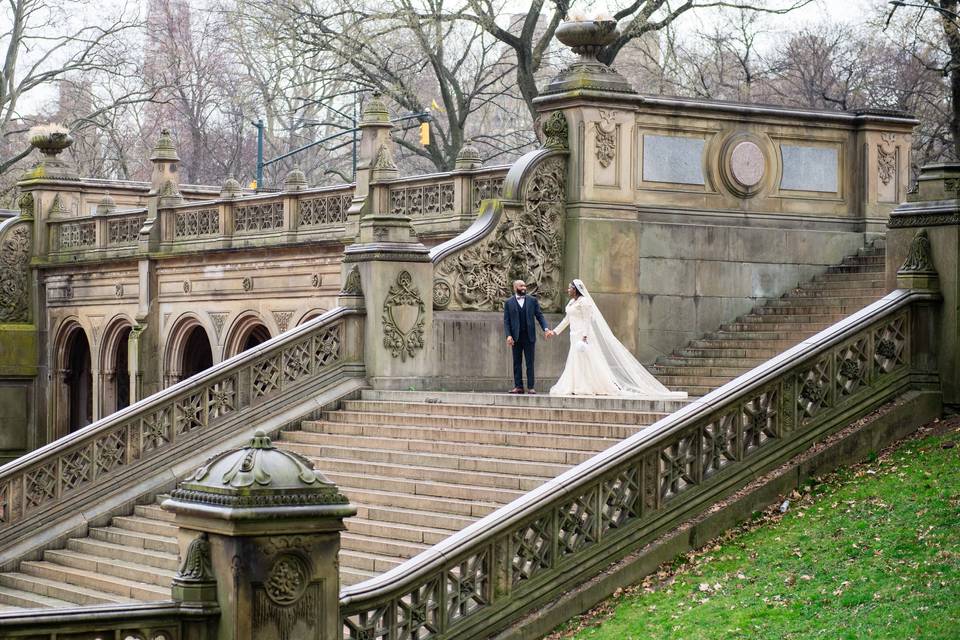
{"points": [[606, 139], [527, 244]]}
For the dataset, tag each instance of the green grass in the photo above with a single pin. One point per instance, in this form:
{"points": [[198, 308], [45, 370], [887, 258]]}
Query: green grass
{"points": [[869, 552]]}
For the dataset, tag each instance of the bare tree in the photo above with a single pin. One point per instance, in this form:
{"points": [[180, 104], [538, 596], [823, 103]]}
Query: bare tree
{"points": [[44, 44]]}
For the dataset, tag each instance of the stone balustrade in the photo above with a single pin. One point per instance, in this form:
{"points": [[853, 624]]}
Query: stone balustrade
{"points": [[522, 556], [117, 230]]}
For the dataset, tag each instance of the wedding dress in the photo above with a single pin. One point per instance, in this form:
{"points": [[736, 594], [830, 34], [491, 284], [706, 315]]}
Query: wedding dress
{"points": [[601, 365]]}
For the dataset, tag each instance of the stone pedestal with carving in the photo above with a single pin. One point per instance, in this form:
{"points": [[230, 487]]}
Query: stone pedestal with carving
{"points": [[923, 252], [266, 526]]}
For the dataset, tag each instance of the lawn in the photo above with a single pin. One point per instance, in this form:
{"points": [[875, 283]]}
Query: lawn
{"points": [[872, 551]]}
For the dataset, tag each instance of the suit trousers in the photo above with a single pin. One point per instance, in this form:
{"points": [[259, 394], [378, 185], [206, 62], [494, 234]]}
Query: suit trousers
{"points": [[523, 350]]}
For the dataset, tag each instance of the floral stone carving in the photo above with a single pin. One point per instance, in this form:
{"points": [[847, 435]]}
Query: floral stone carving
{"points": [[197, 566], [14, 275], [526, 244], [402, 318], [556, 132], [352, 284], [606, 141], [920, 258]]}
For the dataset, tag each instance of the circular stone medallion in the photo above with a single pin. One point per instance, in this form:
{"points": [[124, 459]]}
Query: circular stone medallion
{"points": [[746, 164], [288, 579]]}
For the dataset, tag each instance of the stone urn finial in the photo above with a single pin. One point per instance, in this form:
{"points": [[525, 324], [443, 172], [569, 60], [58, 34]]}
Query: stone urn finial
{"points": [[587, 38], [468, 157], [375, 110], [231, 188], [50, 140], [165, 149], [296, 180]]}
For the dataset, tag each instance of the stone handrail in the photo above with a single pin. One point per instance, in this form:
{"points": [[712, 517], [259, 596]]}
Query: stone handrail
{"points": [[144, 447], [168, 620], [445, 194], [526, 553]]}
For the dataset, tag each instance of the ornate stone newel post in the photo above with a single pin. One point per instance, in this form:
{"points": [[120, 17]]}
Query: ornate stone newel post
{"points": [[259, 534], [388, 270]]}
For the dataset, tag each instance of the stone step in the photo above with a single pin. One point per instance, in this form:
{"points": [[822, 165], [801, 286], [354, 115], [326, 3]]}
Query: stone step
{"points": [[688, 370], [381, 546], [833, 284], [690, 361], [140, 524], [413, 517], [350, 576], [59, 590], [802, 307], [738, 343], [421, 534], [138, 591], [434, 460], [520, 479], [695, 391], [788, 337], [440, 429], [451, 506], [373, 562], [111, 567], [752, 353], [135, 539], [825, 319], [383, 448], [836, 294], [539, 400], [111, 551], [350, 481], [708, 382], [541, 414], [154, 512], [17, 598], [781, 327], [496, 431], [851, 273]]}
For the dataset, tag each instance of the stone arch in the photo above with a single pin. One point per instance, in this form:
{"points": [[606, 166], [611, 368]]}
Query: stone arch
{"points": [[310, 315], [73, 389], [114, 361], [188, 351], [247, 331]]}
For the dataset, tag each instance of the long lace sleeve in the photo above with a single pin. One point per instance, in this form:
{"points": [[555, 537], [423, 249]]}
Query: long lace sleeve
{"points": [[563, 324]]}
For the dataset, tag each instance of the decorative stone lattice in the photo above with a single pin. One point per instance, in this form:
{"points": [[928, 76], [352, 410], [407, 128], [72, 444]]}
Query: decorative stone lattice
{"points": [[124, 231], [267, 216], [403, 341], [193, 224], [526, 245], [486, 189], [77, 235], [419, 201], [323, 211]]}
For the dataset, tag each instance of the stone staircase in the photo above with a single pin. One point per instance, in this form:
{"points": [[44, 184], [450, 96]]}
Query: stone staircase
{"points": [[421, 466], [418, 466], [719, 357]]}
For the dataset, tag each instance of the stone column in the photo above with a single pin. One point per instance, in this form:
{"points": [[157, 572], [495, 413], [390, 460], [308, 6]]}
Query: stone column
{"points": [[923, 252], [259, 534], [387, 270]]}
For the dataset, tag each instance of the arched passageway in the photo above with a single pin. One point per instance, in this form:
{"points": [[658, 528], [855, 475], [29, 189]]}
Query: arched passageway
{"points": [[78, 379], [246, 333], [196, 355]]}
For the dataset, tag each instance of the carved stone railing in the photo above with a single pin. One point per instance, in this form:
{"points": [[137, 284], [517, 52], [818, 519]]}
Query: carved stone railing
{"points": [[42, 493], [520, 236], [324, 209], [153, 621], [523, 555], [115, 230]]}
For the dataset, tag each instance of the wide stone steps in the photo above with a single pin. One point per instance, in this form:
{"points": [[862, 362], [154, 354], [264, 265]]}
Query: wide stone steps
{"points": [[777, 325]]}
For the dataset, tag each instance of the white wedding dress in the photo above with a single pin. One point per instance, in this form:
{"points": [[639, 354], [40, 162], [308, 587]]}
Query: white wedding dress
{"points": [[601, 365]]}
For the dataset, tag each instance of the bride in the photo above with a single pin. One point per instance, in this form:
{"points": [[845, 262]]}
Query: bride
{"points": [[597, 364]]}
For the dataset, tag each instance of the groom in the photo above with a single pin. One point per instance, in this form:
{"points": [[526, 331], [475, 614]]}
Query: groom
{"points": [[519, 313]]}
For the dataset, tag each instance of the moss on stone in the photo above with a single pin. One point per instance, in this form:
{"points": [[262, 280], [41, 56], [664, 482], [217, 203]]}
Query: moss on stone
{"points": [[18, 350]]}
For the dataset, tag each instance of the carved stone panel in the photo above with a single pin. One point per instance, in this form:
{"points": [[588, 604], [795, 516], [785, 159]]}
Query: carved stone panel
{"points": [[403, 318], [14, 274]]}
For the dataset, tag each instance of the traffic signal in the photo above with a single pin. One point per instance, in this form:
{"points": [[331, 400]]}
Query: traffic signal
{"points": [[425, 133]]}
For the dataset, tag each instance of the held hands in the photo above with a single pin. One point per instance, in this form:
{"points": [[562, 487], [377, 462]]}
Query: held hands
{"points": [[510, 341], [549, 333]]}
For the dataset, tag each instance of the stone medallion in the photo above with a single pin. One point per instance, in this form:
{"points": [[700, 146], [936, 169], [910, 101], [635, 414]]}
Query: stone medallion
{"points": [[747, 164]]}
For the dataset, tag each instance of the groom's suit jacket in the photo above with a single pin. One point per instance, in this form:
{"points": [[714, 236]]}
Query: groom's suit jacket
{"points": [[530, 314]]}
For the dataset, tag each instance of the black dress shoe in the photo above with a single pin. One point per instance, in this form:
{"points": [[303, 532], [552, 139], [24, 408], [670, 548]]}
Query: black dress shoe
{"points": [[516, 390]]}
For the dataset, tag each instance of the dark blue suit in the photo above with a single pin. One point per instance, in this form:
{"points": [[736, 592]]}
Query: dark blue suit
{"points": [[521, 325]]}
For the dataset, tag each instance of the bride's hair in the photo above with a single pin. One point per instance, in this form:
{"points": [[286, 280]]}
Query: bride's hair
{"points": [[576, 289]]}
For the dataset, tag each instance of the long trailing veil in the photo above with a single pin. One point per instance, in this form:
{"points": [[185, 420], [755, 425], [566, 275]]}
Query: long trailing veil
{"points": [[629, 374]]}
